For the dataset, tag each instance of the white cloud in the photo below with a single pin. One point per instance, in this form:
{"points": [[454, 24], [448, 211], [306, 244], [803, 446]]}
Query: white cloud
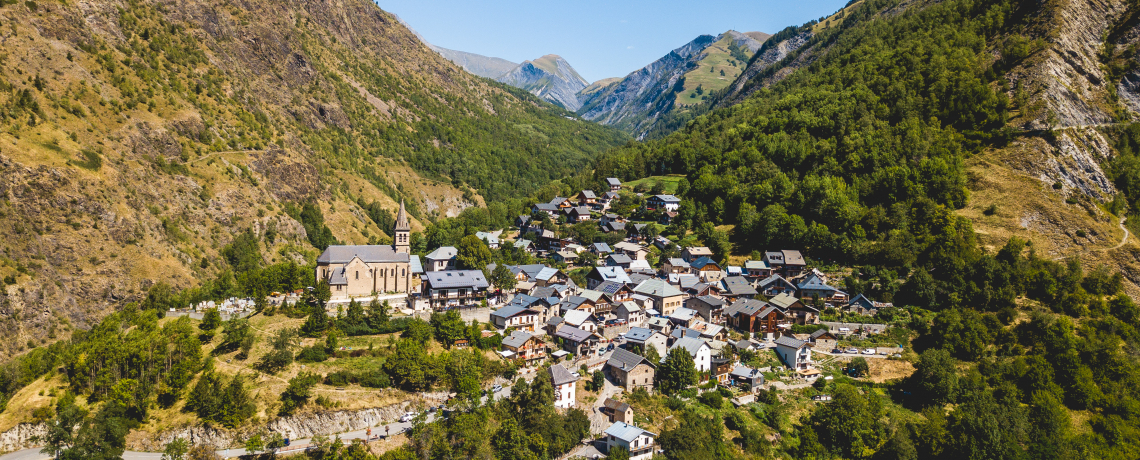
{"points": [[629, 47]]}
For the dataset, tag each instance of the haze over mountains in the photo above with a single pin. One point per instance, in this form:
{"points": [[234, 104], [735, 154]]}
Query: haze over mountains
{"points": [[685, 77]]}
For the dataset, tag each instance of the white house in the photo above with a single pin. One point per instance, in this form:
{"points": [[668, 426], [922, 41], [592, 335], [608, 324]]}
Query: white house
{"points": [[698, 349], [580, 319], [646, 338], [663, 202], [441, 259], [638, 442], [515, 316], [796, 354], [564, 383]]}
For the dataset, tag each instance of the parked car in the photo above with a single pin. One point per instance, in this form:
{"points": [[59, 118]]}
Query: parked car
{"points": [[853, 351], [837, 350], [496, 388], [869, 351], [407, 417]]}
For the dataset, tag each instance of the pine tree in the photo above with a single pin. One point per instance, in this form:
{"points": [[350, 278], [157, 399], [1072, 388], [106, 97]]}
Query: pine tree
{"points": [[317, 322]]}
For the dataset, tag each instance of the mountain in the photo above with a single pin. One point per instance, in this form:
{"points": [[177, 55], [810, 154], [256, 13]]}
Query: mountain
{"points": [[138, 139], [549, 77], [483, 66], [686, 76]]}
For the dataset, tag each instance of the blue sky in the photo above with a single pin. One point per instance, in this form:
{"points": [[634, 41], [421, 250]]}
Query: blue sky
{"points": [[599, 38]]}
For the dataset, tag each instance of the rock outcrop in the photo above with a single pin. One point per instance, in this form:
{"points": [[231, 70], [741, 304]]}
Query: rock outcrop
{"points": [[549, 77]]}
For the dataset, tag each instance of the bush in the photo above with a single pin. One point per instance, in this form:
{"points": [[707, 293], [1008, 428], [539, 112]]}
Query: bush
{"points": [[990, 210], [712, 399], [313, 354]]}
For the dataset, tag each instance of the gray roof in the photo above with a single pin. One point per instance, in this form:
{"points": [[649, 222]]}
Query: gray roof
{"points": [[625, 360], [588, 194], [543, 292], [756, 265], [677, 262], [785, 300], [517, 339], [690, 344], [615, 405], [817, 334], [657, 288], [629, 306], [711, 301], [618, 259], [573, 334], [745, 372], [511, 310], [560, 376], [602, 247], [338, 278], [748, 307], [367, 254], [546, 207], [443, 253], [737, 285], [456, 279], [667, 198], [626, 432], [546, 273], [609, 288], [683, 314], [685, 332], [613, 181], [790, 342], [793, 257], [639, 334], [612, 274], [415, 265]]}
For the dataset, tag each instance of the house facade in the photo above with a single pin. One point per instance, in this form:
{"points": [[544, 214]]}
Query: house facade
{"points": [[564, 383], [795, 353], [632, 371], [454, 288], [638, 442]]}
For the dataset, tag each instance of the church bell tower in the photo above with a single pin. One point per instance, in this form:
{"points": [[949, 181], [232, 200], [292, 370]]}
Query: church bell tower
{"points": [[402, 236]]}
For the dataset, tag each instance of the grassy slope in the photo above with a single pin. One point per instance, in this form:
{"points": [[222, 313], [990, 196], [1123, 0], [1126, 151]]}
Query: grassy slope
{"points": [[707, 73]]}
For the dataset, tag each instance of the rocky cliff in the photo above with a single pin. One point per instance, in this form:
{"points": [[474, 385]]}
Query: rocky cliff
{"points": [[483, 66], [549, 77]]}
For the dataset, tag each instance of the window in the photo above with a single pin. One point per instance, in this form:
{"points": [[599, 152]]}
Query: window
{"points": [[357, 274]]}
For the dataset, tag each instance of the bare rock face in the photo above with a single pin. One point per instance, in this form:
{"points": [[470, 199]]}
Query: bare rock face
{"points": [[549, 77], [774, 53], [23, 436]]}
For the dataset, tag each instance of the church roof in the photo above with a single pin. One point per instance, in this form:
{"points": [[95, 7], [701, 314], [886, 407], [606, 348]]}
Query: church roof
{"points": [[402, 219]]}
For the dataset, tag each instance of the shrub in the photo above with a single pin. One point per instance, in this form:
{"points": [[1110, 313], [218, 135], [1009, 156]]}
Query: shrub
{"points": [[712, 399], [1081, 233], [313, 354], [990, 210]]}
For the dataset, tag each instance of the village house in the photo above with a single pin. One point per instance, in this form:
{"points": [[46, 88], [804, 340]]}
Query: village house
{"points": [[551, 210], [706, 269], [644, 338], [675, 265], [746, 377], [788, 263], [708, 307], [864, 306], [491, 238], [633, 250], [566, 256], [638, 442], [751, 315], [795, 353], [600, 249], [580, 319], [631, 370], [797, 311], [694, 253], [549, 276], [775, 285], [630, 313], [737, 287], [515, 316], [522, 222], [757, 269], [525, 245], [814, 286], [524, 346], [621, 261], [666, 298], [823, 338], [682, 316], [614, 291], [441, 259], [577, 214], [663, 203], [598, 275], [660, 324], [564, 383], [614, 183], [721, 368], [698, 349], [576, 341], [585, 198], [617, 411], [454, 288]]}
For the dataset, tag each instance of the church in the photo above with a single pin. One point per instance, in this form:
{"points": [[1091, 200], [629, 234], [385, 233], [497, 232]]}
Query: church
{"points": [[355, 271]]}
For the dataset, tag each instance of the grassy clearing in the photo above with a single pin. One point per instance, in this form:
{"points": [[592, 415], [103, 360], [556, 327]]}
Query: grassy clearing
{"points": [[669, 182]]}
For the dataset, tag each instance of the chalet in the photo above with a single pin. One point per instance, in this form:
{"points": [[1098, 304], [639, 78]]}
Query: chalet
{"points": [[645, 338], [667, 217], [666, 298], [694, 253], [775, 285], [797, 311], [600, 275], [550, 276], [706, 269], [642, 266], [610, 227], [757, 269], [561, 202], [721, 368], [864, 306], [491, 238], [639, 443], [564, 383], [708, 307], [750, 315], [576, 303], [585, 198], [795, 354], [454, 288], [614, 183], [633, 250], [617, 411], [736, 287], [577, 214], [698, 349], [441, 259], [675, 265], [663, 203], [610, 217], [525, 245], [618, 260], [522, 222], [787, 262], [682, 316], [744, 376], [577, 341], [600, 249], [614, 291], [551, 210], [824, 338], [660, 324], [566, 256], [814, 286], [631, 370], [525, 346], [515, 316], [581, 319], [630, 312]]}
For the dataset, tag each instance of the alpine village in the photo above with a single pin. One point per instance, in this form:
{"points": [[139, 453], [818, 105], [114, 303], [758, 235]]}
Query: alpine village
{"points": [[277, 228]]}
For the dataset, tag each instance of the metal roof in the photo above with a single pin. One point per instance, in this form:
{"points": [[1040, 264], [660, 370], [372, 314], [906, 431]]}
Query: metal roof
{"points": [[576, 317], [367, 254], [625, 360], [626, 432], [756, 265], [546, 273], [517, 339], [612, 274], [618, 259], [414, 264], [573, 334], [748, 307], [456, 279], [443, 253], [657, 288], [784, 300], [639, 334], [690, 344], [560, 376], [511, 310], [613, 181], [791, 342]]}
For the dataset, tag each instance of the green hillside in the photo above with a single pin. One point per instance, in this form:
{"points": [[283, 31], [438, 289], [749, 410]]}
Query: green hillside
{"points": [[720, 66]]}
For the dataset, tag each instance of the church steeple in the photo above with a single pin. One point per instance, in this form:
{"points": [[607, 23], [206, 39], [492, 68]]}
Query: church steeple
{"points": [[401, 238]]}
